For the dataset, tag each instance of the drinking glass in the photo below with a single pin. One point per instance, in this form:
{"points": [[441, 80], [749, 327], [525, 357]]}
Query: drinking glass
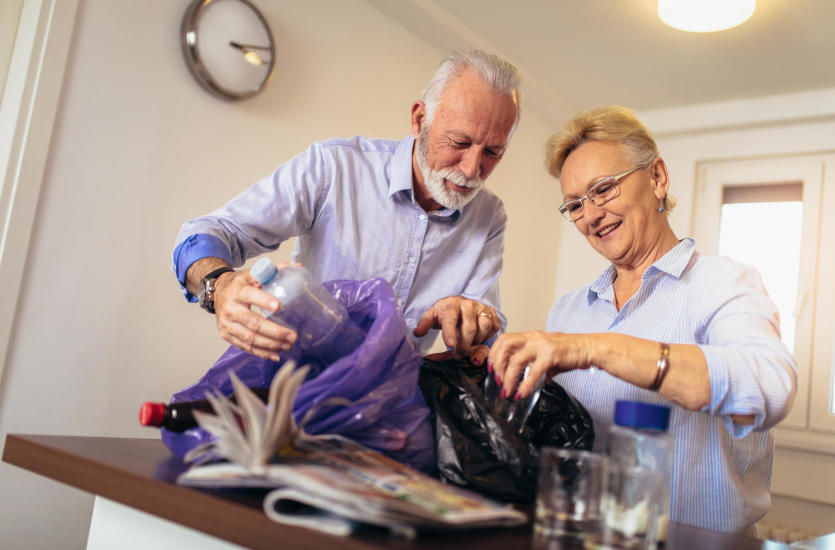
{"points": [[570, 491]]}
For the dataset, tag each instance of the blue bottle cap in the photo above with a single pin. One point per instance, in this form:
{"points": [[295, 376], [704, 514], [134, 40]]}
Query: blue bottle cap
{"points": [[263, 270], [634, 414]]}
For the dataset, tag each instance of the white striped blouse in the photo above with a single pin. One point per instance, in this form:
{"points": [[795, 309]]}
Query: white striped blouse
{"points": [[722, 470]]}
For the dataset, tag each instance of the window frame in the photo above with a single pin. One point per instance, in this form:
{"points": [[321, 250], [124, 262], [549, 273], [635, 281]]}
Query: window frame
{"points": [[810, 425], [822, 395]]}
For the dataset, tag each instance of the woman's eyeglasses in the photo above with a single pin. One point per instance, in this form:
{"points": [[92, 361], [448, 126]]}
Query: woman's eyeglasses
{"points": [[599, 194]]}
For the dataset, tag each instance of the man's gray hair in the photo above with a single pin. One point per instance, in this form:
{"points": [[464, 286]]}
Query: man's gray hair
{"points": [[500, 77]]}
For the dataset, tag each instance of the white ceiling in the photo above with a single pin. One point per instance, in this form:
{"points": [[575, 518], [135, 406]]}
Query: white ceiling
{"points": [[576, 54]]}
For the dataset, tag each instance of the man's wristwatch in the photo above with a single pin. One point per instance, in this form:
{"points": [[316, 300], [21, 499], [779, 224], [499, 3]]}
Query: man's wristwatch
{"points": [[206, 294]]}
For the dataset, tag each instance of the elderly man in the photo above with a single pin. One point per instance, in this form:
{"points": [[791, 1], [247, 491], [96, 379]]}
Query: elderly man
{"points": [[413, 212]]}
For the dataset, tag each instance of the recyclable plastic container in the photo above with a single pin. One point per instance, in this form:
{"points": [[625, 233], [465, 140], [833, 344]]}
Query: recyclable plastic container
{"points": [[325, 331], [639, 438]]}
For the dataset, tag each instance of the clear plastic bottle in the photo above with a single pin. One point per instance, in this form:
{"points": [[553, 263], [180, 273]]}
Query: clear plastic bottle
{"points": [[325, 331], [639, 438]]}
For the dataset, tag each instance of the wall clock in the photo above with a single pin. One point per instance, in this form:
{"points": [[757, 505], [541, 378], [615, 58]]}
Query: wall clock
{"points": [[228, 47]]}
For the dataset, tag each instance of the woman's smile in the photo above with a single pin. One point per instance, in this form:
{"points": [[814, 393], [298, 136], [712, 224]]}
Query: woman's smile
{"points": [[607, 230]]}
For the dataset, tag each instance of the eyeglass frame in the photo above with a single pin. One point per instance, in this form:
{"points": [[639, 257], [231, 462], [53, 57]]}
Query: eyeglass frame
{"points": [[617, 179]]}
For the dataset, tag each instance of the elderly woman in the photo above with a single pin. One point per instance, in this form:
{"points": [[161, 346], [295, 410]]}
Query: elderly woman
{"points": [[663, 324]]}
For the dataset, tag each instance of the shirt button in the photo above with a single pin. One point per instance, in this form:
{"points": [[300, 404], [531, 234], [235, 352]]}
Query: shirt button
{"points": [[422, 217], [412, 260]]}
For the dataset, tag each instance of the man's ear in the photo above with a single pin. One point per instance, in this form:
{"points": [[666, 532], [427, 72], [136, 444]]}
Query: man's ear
{"points": [[659, 178], [418, 117]]}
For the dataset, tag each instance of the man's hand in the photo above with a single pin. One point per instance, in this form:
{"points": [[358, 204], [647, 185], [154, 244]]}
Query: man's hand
{"points": [[235, 293], [464, 324]]}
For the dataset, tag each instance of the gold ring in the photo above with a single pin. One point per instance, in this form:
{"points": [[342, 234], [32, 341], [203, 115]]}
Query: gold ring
{"points": [[485, 313]]}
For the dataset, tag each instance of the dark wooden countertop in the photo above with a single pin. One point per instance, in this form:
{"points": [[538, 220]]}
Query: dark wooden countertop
{"points": [[141, 473]]}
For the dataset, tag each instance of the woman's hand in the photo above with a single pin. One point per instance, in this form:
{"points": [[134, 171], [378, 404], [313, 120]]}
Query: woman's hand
{"points": [[547, 353]]}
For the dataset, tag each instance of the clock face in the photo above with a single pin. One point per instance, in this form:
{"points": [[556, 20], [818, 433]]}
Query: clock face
{"points": [[228, 47]]}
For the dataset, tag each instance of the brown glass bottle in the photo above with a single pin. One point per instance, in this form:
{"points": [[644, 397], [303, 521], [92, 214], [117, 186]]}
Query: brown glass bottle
{"points": [[179, 417]]}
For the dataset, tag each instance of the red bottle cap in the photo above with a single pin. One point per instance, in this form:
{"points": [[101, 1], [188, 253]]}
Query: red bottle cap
{"points": [[151, 414]]}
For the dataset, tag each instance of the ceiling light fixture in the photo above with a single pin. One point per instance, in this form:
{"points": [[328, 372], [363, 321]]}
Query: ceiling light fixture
{"points": [[705, 15]]}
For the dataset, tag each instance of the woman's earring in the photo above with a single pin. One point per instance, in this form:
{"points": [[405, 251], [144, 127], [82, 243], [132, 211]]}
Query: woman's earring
{"points": [[660, 209]]}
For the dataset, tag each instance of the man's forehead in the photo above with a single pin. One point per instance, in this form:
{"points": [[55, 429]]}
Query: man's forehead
{"points": [[467, 115]]}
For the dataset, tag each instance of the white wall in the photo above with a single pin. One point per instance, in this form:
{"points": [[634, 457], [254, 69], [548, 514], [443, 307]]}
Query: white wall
{"points": [[137, 148]]}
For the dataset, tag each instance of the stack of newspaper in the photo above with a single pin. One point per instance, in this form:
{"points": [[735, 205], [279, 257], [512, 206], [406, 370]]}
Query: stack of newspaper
{"points": [[327, 482]]}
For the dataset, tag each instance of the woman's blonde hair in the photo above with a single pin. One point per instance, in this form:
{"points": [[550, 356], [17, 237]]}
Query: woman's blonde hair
{"points": [[613, 124]]}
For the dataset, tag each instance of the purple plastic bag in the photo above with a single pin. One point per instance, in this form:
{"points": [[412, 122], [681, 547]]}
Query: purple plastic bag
{"points": [[380, 378]]}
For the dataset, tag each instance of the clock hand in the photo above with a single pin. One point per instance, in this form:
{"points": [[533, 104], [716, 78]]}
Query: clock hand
{"points": [[249, 55]]}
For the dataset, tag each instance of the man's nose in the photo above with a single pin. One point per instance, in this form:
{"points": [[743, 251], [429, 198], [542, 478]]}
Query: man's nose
{"points": [[470, 164]]}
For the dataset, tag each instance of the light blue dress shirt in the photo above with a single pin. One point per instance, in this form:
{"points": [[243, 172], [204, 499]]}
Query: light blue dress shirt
{"points": [[352, 206], [722, 470]]}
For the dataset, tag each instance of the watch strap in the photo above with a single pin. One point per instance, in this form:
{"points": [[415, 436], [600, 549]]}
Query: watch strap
{"points": [[207, 288]]}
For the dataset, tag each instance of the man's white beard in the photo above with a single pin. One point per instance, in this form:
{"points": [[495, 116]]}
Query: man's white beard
{"points": [[434, 179]]}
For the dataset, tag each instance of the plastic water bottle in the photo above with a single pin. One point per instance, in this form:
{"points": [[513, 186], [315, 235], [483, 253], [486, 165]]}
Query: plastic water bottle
{"points": [[325, 331], [639, 438]]}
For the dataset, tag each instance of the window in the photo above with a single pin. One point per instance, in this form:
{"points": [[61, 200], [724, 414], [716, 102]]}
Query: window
{"points": [[760, 225], [778, 214]]}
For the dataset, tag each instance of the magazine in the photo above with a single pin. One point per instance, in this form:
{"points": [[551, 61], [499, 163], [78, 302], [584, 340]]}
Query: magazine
{"points": [[333, 484], [326, 482]]}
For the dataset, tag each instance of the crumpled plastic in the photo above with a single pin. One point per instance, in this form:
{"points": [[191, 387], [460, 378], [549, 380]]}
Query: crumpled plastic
{"points": [[380, 379], [479, 450]]}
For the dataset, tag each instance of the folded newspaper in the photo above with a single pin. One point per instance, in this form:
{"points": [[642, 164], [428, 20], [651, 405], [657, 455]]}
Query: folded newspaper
{"points": [[326, 482]]}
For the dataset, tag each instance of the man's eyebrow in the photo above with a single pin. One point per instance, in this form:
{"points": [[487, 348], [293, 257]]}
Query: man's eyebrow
{"points": [[456, 137], [461, 135], [450, 132]]}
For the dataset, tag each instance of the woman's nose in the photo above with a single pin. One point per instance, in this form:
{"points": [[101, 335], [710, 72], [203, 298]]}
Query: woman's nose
{"points": [[591, 211]]}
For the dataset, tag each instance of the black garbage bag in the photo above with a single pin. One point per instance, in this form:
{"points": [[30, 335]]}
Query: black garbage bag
{"points": [[480, 451]]}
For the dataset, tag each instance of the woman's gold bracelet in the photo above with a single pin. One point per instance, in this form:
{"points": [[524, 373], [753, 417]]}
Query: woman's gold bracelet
{"points": [[662, 364]]}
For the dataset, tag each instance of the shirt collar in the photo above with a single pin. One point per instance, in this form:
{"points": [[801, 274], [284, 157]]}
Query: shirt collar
{"points": [[675, 261], [672, 263], [401, 178], [401, 171]]}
